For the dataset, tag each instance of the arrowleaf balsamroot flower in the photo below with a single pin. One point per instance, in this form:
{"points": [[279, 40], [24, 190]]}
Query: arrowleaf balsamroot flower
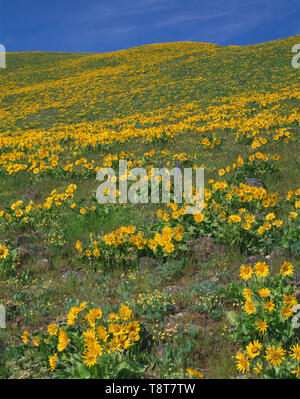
{"points": [[253, 349], [295, 352], [261, 269], [63, 340], [264, 292], [194, 373], [25, 337], [249, 307], [3, 252], [52, 361], [242, 362], [246, 272], [52, 329], [261, 326], [269, 305], [275, 356], [286, 269]]}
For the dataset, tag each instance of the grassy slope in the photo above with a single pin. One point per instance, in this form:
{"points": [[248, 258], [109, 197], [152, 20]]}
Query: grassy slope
{"points": [[139, 88], [143, 79]]}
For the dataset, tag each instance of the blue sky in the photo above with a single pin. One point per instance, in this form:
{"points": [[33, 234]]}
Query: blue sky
{"points": [[108, 25]]}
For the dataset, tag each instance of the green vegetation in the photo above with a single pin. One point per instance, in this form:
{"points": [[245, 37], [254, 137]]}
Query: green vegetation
{"points": [[232, 110]]}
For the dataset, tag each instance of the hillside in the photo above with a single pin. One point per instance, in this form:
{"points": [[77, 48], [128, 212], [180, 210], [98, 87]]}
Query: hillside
{"points": [[233, 110], [72, 88]]}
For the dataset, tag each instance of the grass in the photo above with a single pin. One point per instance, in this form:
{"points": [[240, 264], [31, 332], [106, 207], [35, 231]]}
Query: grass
{"points": [[91, 106]]}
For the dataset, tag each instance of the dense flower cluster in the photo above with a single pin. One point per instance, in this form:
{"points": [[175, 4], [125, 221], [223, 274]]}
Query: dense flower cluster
{"points": [[270, 346], [87, 338]]}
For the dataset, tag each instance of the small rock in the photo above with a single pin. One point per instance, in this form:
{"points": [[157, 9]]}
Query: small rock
{"points": [[147, 263], [150, 220], [173, 288], [203, 246], [276, 253], [253, 182], [179, 315], [295, 281], [253, 259], [44, 264], [26, 237], [170, 319], [31, 194], [21, 239], [258, 215], [26, 250], [71, 274]]}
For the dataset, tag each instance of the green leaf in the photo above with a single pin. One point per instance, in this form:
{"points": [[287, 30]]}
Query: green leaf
{"points": [[232, 317], [83, 371], [128, 369]]}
